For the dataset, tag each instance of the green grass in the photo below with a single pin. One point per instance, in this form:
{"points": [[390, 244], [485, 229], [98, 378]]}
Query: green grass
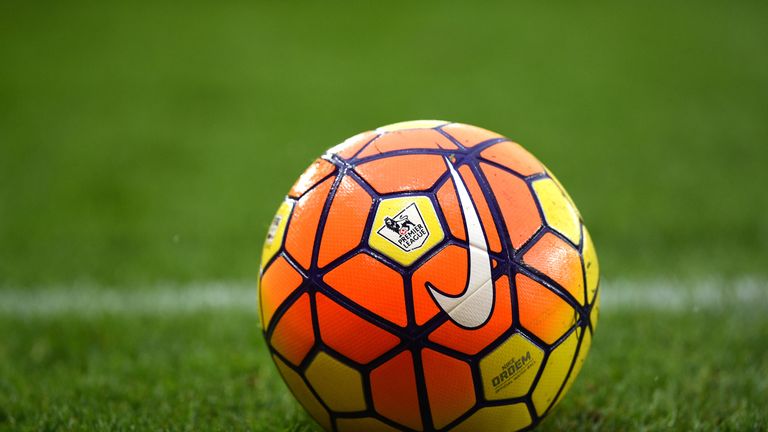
{"points": [[198, 372], [208, 369], [149, 142], [645, 375]]}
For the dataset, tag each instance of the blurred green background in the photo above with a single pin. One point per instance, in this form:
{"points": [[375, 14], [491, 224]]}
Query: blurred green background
{"points": [[152, 140]]}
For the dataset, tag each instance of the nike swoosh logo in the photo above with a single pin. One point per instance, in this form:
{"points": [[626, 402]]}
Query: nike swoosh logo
{"points": [[472, 308]]}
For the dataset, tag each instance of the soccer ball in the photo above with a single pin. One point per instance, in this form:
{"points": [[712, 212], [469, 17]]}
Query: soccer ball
{"points": [[428, 276]]}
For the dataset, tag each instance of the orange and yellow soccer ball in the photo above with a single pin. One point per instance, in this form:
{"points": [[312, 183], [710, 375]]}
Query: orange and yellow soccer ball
{"points": [[427, 276]]}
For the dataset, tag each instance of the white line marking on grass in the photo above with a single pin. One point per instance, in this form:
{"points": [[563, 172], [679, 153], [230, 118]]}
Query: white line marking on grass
{"points": [[681, 295], [169, 299], [165, 299]]}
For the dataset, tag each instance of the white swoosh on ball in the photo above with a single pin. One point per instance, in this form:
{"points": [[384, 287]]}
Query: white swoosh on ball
{"points": [[473, 307]]}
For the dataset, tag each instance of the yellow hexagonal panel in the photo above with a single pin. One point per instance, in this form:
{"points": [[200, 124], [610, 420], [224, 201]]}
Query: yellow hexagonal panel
{"points": [[500, 418], [276, 232], [595, 311], [591, 266], [366, 424], [303, 394], [405, 228], [586, 342], [559, 212], [509, 370], [338, 385], [558, 364], [413, 124], [565, 192]]}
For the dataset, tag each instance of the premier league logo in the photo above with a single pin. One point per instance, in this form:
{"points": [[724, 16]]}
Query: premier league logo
{"points": [[406, 229]]}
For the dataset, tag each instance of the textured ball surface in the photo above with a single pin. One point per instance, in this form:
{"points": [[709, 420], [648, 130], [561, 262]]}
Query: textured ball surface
{"points": [[428, 276]]}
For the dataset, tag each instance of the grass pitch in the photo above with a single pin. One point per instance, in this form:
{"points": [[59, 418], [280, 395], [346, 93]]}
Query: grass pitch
{"points": [[667, 356], [151, 141]]}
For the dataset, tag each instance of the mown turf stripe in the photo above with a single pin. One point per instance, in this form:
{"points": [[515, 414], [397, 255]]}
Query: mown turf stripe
{"points": [[164, 299]]}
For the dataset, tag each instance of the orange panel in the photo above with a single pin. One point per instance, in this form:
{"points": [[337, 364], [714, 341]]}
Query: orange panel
{"points": [[518, 208], [469, 136], [394, 393], [449, 204], [277, 283], [348, 148], [403, 173], [513, 156], [472, 341], [408, 139], [302, 228], [350, 334], [450, 387], [319, 170], [345, 222], [483, 210], [371, 284], [293, 336], [542, 311], [560, 261], [447, 271]]}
